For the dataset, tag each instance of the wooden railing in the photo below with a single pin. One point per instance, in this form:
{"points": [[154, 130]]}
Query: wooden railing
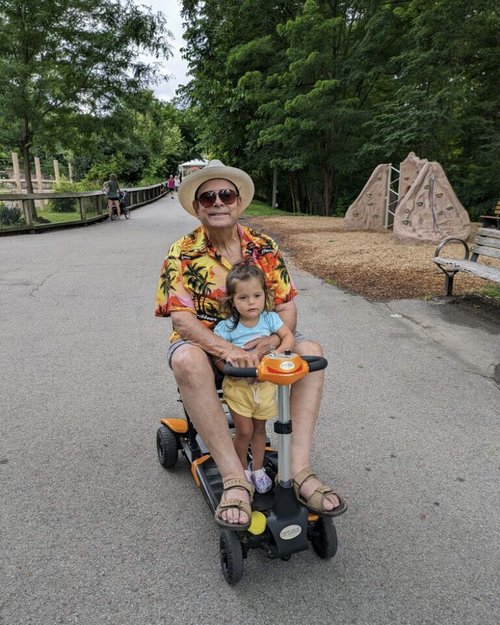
{"points": [[87, 207]]}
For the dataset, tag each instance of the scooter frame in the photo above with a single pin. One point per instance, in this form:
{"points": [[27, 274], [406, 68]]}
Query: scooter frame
{"points": [[289, 526]]}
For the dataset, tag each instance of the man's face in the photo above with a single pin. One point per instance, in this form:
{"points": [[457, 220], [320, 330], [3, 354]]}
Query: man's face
{"points": [[217, 204]]}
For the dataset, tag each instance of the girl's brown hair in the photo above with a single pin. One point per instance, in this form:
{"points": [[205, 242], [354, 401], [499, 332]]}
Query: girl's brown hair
{"points": [[241, 272]]}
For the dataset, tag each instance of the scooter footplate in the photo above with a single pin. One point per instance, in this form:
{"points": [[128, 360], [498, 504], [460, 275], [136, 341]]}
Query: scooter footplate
{"points": [[211, 483]]}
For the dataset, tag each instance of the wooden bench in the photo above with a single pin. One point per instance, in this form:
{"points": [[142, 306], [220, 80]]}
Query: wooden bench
{"points": [[486, 243], [492, 221]]}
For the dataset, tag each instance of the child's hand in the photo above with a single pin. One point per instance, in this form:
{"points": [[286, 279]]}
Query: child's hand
{"points": [[261, 346]]}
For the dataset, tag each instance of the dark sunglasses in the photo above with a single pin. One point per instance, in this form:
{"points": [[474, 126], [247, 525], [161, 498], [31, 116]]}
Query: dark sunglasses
{"points": [[226, 196]]}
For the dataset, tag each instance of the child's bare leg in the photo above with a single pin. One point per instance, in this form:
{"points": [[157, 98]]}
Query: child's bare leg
{"points": [[260, 479], [244, 431], [258, 443]]}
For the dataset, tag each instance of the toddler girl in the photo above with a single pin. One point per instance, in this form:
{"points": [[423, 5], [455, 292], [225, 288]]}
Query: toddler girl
{"points": [[247, 308]]}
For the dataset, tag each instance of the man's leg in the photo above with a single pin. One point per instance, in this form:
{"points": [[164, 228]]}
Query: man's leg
{"points": [[195, 378], [304, 407]]}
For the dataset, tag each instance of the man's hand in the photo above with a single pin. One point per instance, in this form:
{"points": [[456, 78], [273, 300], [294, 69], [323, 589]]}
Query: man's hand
{"points": [[241, 358]]}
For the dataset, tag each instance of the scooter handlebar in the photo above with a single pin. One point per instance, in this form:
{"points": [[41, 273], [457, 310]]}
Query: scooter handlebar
{"points": [[240, 372], [315, 363]]}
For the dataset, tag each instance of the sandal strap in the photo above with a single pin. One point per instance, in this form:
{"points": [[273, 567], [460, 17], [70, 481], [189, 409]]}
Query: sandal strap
{"points": [[234, 503], [303, 475], [316, 498], [236, 482]]}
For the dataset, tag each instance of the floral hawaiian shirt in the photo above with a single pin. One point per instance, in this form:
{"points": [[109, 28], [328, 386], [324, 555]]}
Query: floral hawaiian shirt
{"points": [[193, 276]]}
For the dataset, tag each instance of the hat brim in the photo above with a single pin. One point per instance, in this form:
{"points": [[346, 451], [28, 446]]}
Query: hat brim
{"points": [[192, 182]]}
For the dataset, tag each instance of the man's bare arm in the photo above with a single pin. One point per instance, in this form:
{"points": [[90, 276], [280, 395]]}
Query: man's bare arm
{"points": [[288, 314], [190, 328]]}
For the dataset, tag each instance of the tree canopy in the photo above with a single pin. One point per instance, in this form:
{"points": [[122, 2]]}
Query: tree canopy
{"points": [[324, 91], [319, 91], [66, 62]]}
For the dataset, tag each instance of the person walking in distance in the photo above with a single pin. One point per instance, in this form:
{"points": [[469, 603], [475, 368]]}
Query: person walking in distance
{"points": [[171, 186], [113, 195]]}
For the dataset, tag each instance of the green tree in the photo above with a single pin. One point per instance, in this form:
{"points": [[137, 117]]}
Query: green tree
{"points": [[444, 99], [64, 58], [324, 91], [313, 109]]}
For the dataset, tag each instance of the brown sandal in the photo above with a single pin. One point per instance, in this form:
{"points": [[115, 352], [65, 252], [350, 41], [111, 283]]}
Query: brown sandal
{"points": [[316, 498], [235, 503]]}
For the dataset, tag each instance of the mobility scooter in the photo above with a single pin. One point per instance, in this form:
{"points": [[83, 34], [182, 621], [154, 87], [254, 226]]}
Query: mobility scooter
{"points": [[280, 524]]}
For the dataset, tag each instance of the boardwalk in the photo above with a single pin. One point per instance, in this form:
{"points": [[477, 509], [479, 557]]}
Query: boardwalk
{"points": [[94, 531]]}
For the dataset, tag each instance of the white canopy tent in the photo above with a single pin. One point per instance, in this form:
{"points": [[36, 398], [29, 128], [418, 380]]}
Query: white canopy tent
{"points": [[189, 166]]}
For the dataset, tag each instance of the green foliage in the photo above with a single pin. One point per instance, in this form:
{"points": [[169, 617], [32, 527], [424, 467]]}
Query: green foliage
{"points": [[10, 216], [142, 138], [62, 65], [492, 290], [148, 181], [325, 91], [65, 186], [261, 209], [69, 204]]}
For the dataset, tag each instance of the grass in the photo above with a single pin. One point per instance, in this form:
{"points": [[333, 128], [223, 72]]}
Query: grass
{"points": [[261, 209], [57, 217], [492, 290]]}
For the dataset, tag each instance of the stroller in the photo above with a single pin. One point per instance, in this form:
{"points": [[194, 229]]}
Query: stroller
{"points": [[123, 207]]}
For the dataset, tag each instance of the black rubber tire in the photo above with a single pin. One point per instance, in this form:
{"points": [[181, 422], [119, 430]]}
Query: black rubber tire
{"points": [[126, 213], [324, 538], [113, 215], [231, 557], [166, 446]]}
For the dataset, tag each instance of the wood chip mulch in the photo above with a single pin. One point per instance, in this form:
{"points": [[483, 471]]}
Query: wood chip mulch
{"points": [[372, 264]]}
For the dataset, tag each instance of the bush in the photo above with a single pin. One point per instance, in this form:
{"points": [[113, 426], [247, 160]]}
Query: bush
{"points": [[65, 204], [149, 180], [10, 216]]}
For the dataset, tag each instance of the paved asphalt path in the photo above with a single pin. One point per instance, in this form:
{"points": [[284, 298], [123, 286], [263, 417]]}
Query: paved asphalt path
{"points": [[94, 531]]}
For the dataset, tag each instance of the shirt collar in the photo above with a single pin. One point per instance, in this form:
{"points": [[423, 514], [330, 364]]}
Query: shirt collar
{"points": [[206, 244]]}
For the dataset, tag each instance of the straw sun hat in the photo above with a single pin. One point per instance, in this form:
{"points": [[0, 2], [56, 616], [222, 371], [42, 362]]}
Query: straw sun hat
{"points": [[215, 169]]}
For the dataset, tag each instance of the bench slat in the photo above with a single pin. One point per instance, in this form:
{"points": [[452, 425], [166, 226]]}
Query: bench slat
{"points": [[483, 271], [489, 232], [488, 241], [486, 250]]}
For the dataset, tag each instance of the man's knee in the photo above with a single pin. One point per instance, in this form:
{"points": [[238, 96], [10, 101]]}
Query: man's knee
{"points": [[190, 360], [309, 348]]}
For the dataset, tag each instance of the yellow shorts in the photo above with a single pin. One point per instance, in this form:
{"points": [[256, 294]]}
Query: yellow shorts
{"points": [[255, 401]]}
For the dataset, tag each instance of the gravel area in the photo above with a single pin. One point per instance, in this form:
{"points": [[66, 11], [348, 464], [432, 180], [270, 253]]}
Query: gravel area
{"points": [[372, 264]]}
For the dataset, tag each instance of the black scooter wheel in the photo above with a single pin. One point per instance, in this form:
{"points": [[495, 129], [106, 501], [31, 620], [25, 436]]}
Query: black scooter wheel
{"points": [[166, 446], [324, 538], [231, 556], [126, 213]]}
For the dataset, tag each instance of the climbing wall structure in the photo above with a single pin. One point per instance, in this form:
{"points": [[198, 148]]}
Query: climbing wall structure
{"points": [[409, 170], [426, 208], [430, 210], [367, 211]]}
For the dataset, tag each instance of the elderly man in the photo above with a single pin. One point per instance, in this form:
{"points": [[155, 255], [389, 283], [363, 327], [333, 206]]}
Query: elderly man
{"points": [[191, 285]]}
